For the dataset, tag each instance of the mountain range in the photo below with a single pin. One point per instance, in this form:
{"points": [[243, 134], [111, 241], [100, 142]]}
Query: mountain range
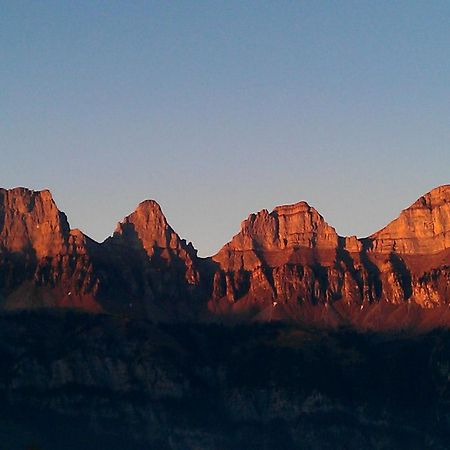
{"points": [[285, 265], [290, 337]]}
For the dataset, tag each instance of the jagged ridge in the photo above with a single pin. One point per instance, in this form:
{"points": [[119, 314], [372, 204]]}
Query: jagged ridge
{"points": [[282, 264]]}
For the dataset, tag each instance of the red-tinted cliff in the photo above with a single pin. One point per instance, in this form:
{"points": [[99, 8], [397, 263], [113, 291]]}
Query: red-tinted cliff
{"points": [[42, 262], [288, 264], [30, 221], [421, 229], [156, 273], [281, 263]]}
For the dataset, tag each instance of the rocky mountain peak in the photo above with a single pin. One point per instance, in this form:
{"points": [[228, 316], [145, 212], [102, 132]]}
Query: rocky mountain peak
{"points": [[422, 228], [288, 226], [30, 220], [281, 264], [148, 227]]}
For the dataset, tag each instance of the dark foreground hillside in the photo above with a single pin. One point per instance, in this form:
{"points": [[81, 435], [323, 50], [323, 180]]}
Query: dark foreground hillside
{"points": [[81, 381]]}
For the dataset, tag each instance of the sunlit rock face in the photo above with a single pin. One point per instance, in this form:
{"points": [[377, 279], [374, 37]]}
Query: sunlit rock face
{"points": [[145, 269], [147, 229], [31, 222], [153, 267], [288, 226], [42, 262], [148, 226], [282, 262], [288, 256], [423, 228], [288, 264]]}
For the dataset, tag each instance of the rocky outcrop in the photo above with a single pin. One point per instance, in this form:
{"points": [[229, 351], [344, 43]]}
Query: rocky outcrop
{"points": [[146, 229], [31, 223], [154, 269], [145, 269], [281, 263], [288, 264], [42, 262], [421, 229]]}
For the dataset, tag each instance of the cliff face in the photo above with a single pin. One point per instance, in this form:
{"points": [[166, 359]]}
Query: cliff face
{"points": [[74, 380], [144, 270], [42, 262], [288, 264], [155, 271], [30, 222], [282, 262], [421, 229], [147, 230], [278, 235]]}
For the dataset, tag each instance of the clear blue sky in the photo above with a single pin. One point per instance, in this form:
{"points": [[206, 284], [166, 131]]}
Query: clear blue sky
{"points": [[221, 108]]}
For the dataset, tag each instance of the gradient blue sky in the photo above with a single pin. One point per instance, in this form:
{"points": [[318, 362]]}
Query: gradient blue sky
{"points": [[220, 108]]}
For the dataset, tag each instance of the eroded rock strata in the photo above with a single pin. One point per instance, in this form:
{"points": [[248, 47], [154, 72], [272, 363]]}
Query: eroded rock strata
{"points": [[281, 263], [288, 264], [42, 261]]}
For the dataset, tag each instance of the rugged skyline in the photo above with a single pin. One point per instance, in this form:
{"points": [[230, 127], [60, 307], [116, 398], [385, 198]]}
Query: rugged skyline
{"points": [[291, 336], [284, 279], [221, 108], [288, 264]]}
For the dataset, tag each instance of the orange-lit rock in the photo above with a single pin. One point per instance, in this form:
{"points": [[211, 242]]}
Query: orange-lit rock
{"points": [[423, 228], [288, 264], [30, 221], [154, 270], [299, 260], [42, 262], [147, 228]]}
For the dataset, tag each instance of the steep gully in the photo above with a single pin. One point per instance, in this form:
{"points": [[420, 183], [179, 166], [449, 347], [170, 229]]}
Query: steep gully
{"points": [[288, 265]]}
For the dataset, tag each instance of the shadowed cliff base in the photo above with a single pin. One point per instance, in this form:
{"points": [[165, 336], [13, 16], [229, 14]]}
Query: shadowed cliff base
{"points": [[75, 380]]}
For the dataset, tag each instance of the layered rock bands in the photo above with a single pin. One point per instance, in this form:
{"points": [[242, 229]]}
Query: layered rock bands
{"points": [[288, 264]]}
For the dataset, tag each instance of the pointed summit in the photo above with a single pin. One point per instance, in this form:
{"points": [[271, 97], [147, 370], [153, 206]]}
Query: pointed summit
{"points": [[147, 226]]}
